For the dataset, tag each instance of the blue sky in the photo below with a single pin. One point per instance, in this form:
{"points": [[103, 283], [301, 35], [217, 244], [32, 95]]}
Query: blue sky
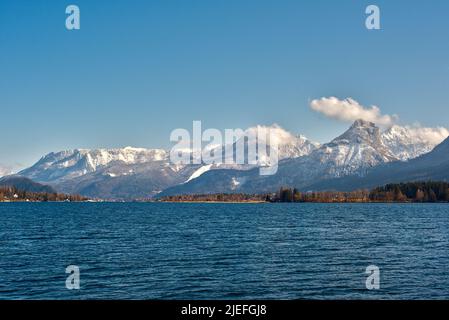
{"points": [[139, 69]]}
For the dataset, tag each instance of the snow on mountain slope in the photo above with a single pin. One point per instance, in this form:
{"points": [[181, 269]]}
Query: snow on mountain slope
{"points": [[407, 142], [199, 172], [288, 144], [129, 173], [355, 152], [364, 146], [430, 166], [69, 164], [358, 148]]}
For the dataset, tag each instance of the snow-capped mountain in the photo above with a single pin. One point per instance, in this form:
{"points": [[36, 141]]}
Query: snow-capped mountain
{"points": [[362, 147], [131, 173], [126, 173], [354, 152], [136, 172], [288, 145], [406, 144], [430, 166], [70, 164]]}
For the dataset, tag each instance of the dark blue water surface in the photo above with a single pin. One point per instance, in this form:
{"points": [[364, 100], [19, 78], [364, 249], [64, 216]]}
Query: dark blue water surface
{"points": [[223, 251]]}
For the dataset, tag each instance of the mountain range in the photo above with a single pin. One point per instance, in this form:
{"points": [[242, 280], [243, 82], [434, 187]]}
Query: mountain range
{"points": [[353, 154], [25, 184], [362, 156]]}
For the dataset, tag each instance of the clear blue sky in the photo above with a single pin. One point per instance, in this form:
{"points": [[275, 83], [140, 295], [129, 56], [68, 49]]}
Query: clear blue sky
{"points": [[139, 69]]}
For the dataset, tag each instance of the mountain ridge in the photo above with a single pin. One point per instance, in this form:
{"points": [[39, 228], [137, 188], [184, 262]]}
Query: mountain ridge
{"points": [[129, 173], [353, 153], [25, 184]]}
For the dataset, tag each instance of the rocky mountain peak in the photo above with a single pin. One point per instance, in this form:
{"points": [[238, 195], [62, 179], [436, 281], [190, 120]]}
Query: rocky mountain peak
{"points": [[360, 132]]}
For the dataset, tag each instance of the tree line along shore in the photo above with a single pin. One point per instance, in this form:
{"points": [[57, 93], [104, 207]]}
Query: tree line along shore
{"points": [[13, 194], [428, 191]]}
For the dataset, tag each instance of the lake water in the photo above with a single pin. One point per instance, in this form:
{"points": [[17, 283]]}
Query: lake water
{"points": [[223, 251]]}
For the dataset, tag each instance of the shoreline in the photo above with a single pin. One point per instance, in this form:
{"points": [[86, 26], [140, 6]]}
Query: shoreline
{"points": [[238, 202]]}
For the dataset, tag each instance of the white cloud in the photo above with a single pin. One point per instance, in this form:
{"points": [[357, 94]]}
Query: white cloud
{"points": [[431, 135], [350, 110], [5, 170], [276, 132]]}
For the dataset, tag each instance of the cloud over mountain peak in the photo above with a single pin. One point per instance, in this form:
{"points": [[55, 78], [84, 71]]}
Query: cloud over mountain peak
{"points": [[349, 110]]}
